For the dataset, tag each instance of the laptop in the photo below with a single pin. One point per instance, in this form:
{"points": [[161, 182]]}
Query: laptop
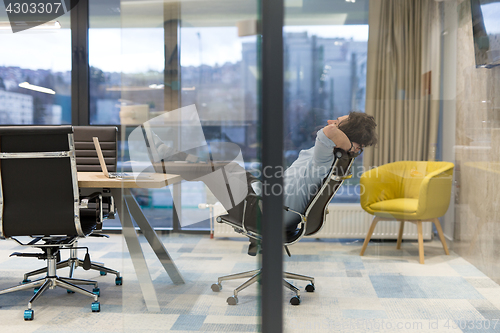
{"points": [[117, 175]]}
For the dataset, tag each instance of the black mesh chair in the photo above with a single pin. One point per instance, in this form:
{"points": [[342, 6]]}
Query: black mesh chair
{"points": [[40, 204], [87, 161], [245, 216]]}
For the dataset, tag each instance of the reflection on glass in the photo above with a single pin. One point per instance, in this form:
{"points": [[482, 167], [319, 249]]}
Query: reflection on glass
{"points": [[219, 76], [325, 78], [325, 58], [35, 74], [104, 61], [142, 68], [186, 55]]}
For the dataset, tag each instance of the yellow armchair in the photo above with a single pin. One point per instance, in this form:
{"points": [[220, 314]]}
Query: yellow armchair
{"points": [[410, 191]]}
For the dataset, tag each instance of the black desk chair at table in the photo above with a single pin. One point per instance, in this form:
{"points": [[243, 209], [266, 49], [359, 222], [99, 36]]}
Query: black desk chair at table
{"points": [[244, 217], [87, 161], [40, 200], [86, 156]]}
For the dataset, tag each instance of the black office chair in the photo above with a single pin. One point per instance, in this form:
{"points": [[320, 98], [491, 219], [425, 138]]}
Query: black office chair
{"points": [[86, 160], [244, 217], [39, 199], [86, 156]]}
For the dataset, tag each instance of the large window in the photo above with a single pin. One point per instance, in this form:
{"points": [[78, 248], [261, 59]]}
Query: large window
{"points": [[105, 65], [141, 68], [35, 73], [325, 78]]}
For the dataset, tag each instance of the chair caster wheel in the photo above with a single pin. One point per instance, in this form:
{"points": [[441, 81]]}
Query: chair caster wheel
{"points": [[102, 273], [232, 300], [295, 300], [70, 291], [119, 281], [25, 281], [97, 291], [29, 314], [216, 287], [96, 307], [310, 288]]}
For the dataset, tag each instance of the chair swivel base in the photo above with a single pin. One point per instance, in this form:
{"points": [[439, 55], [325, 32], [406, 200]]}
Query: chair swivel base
{"points": [[73, 262], [51, 280], [254, 276]]}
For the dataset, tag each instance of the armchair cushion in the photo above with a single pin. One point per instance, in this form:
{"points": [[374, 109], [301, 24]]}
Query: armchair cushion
{"points": [[395, 206]]}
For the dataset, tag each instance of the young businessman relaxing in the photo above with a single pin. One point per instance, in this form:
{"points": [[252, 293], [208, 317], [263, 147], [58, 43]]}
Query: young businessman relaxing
{"points": [[302, 179]]}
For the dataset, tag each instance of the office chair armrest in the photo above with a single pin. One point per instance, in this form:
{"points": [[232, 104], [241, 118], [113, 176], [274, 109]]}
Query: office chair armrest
{"points": [[253, 195], [97, 198], [258, 199], [84, 201], [110, 201], [303, 219], [107, 202], [288, 209]]}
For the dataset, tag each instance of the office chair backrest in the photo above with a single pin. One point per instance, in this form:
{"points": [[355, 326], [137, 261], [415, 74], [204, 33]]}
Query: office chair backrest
{"points": [[86, 156], [38, 182], [246, 214], [317, 208]]}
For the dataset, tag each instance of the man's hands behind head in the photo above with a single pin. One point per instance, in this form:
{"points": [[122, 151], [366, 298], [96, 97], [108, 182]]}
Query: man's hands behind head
{"points": [[337, 136]]}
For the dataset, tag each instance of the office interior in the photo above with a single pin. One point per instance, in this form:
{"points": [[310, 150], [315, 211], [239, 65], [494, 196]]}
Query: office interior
{"points": [[425, 69]]}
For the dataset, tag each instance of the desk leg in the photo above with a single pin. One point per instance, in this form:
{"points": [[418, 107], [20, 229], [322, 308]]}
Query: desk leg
{"points": [[135, 250], [152, 238]]}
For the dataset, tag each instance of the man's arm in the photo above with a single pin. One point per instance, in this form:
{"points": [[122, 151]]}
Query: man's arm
{"points": [[338, 137], [328, 138], [323, 150]]}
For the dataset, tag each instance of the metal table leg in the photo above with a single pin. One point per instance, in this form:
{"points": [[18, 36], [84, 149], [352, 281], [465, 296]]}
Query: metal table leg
{"points": [[135, 250], [152, 238]]}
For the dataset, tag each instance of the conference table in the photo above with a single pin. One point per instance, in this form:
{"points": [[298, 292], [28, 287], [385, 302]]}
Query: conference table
{"points": [[128, 209]]}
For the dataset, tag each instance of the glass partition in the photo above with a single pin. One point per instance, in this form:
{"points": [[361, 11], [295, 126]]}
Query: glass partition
{"points": [[182, 82], [137, 72], [325, 61], [186, 101]]}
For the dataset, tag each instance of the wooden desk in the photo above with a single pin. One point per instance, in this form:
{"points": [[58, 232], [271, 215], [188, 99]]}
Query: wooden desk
{"points": [[128, 208], [98, 180]]}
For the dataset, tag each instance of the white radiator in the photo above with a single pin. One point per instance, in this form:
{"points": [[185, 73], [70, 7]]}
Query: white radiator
{"points": [[349, 221]]}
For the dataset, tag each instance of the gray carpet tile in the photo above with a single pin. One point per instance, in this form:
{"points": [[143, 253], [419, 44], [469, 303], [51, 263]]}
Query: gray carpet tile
{"points": [[386, 290]]}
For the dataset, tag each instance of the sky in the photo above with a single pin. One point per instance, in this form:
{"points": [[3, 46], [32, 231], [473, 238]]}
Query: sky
{"points": [[491, 14], [135, 50]]}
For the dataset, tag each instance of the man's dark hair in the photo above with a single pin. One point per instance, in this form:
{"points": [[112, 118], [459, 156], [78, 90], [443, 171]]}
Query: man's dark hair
{"points": [[360, 128]]}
